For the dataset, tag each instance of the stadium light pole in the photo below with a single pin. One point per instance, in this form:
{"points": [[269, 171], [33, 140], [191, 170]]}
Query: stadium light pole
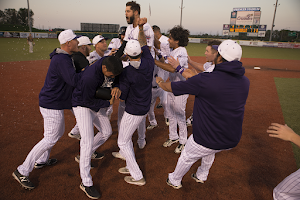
{"points": [[181, 12], [273, 21], [29, 24]]}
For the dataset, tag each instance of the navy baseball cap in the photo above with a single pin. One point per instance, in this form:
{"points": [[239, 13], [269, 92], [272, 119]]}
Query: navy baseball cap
{"points": [[215, 47]]}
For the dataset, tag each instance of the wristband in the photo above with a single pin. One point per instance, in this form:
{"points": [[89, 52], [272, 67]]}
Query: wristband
{"points": [[181, 71], [178, 68], [159, 56]]}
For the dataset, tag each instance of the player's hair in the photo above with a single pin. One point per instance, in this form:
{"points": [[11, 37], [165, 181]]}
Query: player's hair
{"points": [[155, 28], [214, 42], [223, 59], [180, 34], [134, 6], [113, 64]]}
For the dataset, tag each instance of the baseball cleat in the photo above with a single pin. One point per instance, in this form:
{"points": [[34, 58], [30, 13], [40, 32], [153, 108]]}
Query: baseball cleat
{"points": [[123, 170], [194, 176], [91, 191], [131, 180], [49, 162], [118, 155], [23, 180], [159, 105], [179, 148], [173, 186], [167, 121], [97, 155], [75, 136], [150, 127], [141, 146], [169, 142]]}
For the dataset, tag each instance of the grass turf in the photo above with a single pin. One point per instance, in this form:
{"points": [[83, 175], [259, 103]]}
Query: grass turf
{"points": [[16, 49], [289, 95]]}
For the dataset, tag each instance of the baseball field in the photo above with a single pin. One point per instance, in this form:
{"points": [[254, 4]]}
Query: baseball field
{"points": [[249, 171]]}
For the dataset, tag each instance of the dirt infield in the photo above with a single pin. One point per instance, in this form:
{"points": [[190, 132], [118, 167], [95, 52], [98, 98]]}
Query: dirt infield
{"points": [[249, 171]]}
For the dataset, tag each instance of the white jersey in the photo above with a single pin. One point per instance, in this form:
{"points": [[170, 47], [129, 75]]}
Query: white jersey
{"points": [[208, 67], [133, 33], [164, 46], [95, 56], [115, 43], [181, 54]]}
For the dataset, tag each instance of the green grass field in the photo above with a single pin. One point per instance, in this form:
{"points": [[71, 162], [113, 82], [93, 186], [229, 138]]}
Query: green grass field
{"points": [[289, 95], [16, 49]]}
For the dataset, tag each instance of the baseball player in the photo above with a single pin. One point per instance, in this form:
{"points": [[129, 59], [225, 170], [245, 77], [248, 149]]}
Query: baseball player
{"points": [[30, 42], [116, 43], [132, 14], [100, 45], [163, 49], [178, 39], [55, 96], [220, 98], [136, 85], [289, 188], [89, 110], [210, 55], [101, 50]]}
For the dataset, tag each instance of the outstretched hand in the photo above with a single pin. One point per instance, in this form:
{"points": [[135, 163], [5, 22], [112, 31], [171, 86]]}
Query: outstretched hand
{"points": [[281, 131]]}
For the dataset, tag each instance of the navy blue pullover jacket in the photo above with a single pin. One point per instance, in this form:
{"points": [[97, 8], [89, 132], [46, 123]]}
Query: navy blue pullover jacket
{"points": [[220, 98], [136, 85], [92, 77], [59, 83]]}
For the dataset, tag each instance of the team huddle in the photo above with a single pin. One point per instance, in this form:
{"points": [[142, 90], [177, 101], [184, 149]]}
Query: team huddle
{"points": [[133, 70]]}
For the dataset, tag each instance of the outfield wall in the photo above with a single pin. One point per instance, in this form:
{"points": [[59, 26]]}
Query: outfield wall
{"points": [[11, 34], [289, 45]]}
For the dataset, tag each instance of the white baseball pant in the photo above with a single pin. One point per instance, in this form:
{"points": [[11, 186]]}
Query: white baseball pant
{"points": [[289, 188], [156, 92], [141, 129], [128, 125], [85, 118], [177, 116], [191, 153], [54, 128]]}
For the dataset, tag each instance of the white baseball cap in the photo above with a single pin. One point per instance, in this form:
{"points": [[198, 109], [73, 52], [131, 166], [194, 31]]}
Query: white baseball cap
{"points": [[66, 36], [230, 50], [84, 40], [97, 39], [133, 48]]}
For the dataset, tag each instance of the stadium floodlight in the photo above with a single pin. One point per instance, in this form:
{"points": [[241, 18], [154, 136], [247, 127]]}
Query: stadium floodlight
{"points": [[29, 21], [273, 20], [181, 12]]}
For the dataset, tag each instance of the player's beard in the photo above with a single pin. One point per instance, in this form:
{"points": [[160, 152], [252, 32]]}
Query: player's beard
{"points": [[131, 19]]}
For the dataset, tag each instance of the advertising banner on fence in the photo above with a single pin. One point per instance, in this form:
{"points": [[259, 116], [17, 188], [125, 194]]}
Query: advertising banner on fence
{"points": [[41, 35], [25, 34]]}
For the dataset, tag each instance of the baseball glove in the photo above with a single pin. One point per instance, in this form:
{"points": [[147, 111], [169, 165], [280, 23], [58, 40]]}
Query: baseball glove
{"points": [[103, 93]]}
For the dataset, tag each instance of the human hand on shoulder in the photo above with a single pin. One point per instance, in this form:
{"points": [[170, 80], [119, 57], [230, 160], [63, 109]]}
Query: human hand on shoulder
{"points": [[173, 62]]}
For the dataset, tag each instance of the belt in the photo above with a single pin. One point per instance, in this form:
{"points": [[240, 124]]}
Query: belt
{"points": [[154, 87]]}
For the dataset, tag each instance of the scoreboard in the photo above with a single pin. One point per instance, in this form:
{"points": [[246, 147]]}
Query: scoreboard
{"points": [[243, 28], [245, 21]]}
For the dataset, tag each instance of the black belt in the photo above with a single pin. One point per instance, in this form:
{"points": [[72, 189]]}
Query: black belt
{"points": [[154, 87]]}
